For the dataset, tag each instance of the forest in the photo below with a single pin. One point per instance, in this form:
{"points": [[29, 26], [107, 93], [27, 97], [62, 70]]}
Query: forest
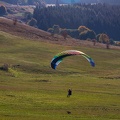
{"points": [[101, 18], [97, 18]]}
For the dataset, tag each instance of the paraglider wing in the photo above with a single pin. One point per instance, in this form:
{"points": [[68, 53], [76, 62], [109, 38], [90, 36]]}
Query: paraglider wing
{"points": [[89, 59], [59, 57]]}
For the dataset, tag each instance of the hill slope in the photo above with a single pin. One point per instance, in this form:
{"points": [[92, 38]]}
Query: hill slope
{"points": [[31, 90], [25, 31]]}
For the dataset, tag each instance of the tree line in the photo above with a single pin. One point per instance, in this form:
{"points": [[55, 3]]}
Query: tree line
{"points": [[100, 18]]}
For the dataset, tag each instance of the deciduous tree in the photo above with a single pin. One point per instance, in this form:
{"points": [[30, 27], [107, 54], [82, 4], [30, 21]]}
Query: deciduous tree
{"points": [[105, 39], [3, 10]]}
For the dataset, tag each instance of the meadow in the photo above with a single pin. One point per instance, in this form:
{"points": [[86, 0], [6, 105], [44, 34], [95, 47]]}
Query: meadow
{"points": [[32, 90]]}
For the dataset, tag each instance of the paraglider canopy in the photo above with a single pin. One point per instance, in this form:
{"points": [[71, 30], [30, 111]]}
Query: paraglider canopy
{"points": [[59, 57]]}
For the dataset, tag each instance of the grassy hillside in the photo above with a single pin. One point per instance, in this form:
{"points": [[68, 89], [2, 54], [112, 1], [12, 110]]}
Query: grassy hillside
{"points": [[31, 90]]}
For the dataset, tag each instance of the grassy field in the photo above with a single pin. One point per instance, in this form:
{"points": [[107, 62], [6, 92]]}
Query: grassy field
{"points": [[32, 90]]}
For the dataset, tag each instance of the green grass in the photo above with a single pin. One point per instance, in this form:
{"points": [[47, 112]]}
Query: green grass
{"points": [[31, 90]]}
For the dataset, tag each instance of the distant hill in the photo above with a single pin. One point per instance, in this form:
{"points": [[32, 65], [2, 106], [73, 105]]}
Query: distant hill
{"points": [[65, 1]]}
